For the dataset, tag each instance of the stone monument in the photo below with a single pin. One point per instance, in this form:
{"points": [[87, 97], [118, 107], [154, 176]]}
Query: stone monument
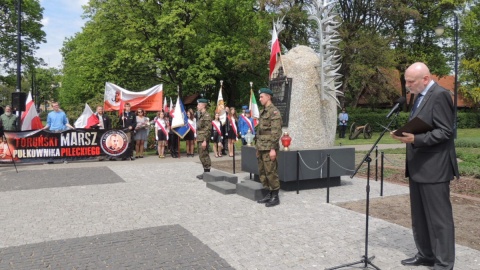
{"points": [[312, 119], [313, 116]]}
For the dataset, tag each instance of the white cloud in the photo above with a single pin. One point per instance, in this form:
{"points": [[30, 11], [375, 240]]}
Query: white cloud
{"points": [[45, 21]]}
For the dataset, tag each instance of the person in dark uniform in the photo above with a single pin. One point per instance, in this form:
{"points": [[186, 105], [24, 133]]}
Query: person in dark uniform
{"points": [[226, 129], [173, 138], [204, 129], [268, 136], [431, 164], [128, 123]]}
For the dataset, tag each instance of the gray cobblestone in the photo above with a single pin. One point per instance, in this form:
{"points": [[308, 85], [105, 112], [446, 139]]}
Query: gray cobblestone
{"points": [[303, 232]]}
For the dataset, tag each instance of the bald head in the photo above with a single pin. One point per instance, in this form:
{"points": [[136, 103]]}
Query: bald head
{"points": [[417, 77]]}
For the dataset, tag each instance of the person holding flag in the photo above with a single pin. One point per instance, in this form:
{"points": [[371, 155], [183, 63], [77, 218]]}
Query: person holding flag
{"points": [[245, 123], [204, 129], [192, 134]]}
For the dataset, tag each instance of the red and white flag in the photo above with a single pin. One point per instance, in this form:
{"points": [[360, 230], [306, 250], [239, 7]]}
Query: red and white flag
{"points": [[30, 118], [165, 107], [253, 107], [88, 119], [148, 100], [274, 50]]}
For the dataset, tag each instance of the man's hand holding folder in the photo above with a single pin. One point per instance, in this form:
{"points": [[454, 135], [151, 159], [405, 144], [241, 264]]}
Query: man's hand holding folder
{"points": [[407, 133]]}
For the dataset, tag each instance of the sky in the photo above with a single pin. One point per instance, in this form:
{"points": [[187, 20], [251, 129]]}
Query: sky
{"points": [[61, 19]]}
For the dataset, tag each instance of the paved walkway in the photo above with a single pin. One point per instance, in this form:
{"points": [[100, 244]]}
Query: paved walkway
{"points": [[154, 214]]}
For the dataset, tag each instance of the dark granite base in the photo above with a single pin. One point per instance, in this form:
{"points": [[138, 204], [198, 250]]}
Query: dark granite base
{"points": [[163, 247]]}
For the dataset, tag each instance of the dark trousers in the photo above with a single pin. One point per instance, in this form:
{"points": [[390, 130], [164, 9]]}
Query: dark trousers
{"points": [[432, 223], [173, 143], [225, 145], [343, 128], [131, 144]]}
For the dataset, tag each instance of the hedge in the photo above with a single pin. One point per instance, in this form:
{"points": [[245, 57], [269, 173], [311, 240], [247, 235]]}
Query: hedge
{"points": [[378, 118]]}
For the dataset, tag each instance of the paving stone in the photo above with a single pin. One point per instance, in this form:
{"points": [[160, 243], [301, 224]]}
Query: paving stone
{"points": [[52, 178], [303, 232], [169, 245]]}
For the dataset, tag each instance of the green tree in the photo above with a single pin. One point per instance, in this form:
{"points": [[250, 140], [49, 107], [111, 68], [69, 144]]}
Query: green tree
{"points": [[32, 34], [190, 44], [470, 47]]}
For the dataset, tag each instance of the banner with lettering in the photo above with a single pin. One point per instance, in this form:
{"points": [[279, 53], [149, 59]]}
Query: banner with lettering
{"points": [[69, 145]]}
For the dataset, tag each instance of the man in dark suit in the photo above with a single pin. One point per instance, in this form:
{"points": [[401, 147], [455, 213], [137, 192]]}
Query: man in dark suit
{"points": [[104, 121], [128, 122], [430, 165]]}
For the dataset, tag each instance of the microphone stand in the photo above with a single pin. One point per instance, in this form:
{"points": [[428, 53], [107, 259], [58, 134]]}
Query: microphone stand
{"points": [[365, 259]]}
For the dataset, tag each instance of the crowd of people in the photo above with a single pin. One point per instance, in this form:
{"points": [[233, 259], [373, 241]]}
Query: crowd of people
{"points": [[137, 126]]}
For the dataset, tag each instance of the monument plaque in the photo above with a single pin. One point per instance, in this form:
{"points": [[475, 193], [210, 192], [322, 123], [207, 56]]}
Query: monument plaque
{"points": [[282, 89]]}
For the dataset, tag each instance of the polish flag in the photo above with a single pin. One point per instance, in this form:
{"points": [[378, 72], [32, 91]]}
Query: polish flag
{"points": [[88, 119], [165, 107], [255, 113], [274, 50], [30, 119]]}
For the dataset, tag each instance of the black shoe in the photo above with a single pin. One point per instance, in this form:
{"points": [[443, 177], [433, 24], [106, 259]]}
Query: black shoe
{"points": [[124, 158], [200, 176], [266, 198], [275, 200], [417, 261]]}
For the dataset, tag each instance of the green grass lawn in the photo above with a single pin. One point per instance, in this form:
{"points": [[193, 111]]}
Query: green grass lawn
{"points": [[462, 135], [467, 146]]}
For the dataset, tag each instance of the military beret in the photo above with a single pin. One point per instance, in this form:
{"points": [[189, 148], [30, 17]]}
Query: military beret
{"points": [[202, 100], [265, 91], [244, 107], [247, 111]]}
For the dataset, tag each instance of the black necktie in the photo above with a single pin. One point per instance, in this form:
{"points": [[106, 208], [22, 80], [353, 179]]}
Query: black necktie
{"points": [[415, 104]]}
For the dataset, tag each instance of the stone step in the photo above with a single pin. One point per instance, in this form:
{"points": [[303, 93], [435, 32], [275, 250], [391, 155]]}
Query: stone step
{"points": [[215, 176], [223, 187], [251, 190]]}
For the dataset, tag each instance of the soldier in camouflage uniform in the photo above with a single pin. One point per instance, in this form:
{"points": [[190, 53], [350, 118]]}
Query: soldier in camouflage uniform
{"points": [[204, 128], [269, 131]]}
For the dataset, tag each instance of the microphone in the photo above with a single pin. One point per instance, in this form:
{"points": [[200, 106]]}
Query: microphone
{"points": [[398, 104]]}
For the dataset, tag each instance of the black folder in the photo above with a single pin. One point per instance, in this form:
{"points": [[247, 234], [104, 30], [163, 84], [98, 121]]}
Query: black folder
{"points": [[414, 126]]}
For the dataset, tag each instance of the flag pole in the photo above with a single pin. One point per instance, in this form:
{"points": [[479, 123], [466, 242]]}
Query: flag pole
{"points": [[281, 61], [178, 137]]}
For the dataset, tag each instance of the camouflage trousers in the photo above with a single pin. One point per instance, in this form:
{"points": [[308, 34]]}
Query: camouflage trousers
{"points": [[267, 170], [204, 156]]}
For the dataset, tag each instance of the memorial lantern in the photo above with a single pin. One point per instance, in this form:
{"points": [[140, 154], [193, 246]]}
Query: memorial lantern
{"points": [[249, 138], [286, 140]]}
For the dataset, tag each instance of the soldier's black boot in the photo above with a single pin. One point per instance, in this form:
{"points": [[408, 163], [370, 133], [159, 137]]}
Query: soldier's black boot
{"points": [[200, 176], [266, 198], [275, 200]]}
